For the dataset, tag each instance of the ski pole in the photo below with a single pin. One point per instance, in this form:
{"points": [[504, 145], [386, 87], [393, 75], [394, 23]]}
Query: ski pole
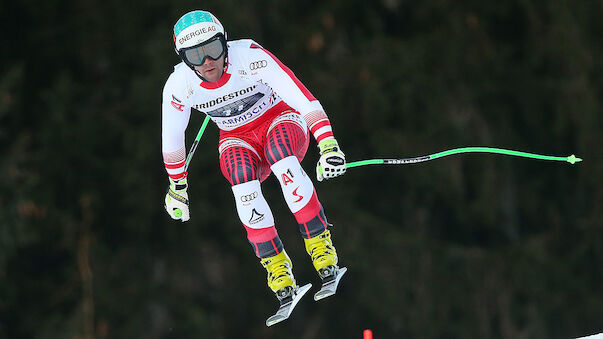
{"points": [[572, 159], [178, 212], [196, 142]]}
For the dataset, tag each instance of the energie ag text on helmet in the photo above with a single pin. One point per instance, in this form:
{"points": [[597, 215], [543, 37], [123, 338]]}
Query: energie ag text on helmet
{"points": [[197, 32]]}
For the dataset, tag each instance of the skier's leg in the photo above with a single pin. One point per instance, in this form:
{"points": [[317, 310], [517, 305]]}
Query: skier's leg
{"points": [[287, 142], [239, 165]]}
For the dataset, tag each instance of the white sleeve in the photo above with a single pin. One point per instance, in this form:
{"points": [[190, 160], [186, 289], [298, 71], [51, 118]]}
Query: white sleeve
{"points": [[277, 75], [175, 114]]}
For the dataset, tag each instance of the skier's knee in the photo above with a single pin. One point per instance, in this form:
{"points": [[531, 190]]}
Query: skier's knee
{"points": [[238, 161], [277, 150], [295, 183], [286, 136], [241, 173]]}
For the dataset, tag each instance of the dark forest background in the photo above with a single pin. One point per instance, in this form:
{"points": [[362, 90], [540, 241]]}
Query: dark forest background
{"points": [[470, 246]]}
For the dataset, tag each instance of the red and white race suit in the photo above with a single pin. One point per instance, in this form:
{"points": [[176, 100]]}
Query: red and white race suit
{"points": [[264, 113]]}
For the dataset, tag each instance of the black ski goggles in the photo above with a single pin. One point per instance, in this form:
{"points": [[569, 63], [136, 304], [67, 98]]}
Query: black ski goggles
{"points": [[213, 48]]}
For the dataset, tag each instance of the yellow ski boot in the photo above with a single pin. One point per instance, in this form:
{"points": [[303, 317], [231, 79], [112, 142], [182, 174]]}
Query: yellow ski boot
{"points": [[282, 283], [323, 254], [280, 275], [324, 258]]}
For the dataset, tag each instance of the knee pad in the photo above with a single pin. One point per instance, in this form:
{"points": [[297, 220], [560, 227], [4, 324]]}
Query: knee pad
{"points": [[252, 208], [295, 183]]}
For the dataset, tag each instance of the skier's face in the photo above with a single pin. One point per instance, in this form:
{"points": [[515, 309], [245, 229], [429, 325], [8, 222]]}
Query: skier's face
{"points": [[212, 69]]}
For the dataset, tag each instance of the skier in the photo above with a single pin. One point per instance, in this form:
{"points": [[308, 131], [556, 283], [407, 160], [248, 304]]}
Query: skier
{"points": [[264, 114]]}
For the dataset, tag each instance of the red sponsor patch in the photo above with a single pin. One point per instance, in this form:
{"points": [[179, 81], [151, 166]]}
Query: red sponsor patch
{"points": [[286, 179], [297, 195], [177, 105]]}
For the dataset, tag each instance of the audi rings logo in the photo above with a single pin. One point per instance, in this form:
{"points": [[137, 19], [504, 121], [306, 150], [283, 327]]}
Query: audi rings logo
{"points": [[249, 197], [258, 64]]}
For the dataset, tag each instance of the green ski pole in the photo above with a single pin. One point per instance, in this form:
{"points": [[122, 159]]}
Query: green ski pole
{"points": [[572, 159], [196, 142], [178, 212]]}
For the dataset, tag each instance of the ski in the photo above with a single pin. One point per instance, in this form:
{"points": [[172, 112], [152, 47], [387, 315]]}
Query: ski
{"points": [[329, 286], [287, 305]]}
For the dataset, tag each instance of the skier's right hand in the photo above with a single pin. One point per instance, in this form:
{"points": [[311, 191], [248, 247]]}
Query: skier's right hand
{"points": [[176, 200]]}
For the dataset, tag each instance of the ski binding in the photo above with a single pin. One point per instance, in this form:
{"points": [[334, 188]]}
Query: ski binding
{"points": [[287, 305], [329, 285]]}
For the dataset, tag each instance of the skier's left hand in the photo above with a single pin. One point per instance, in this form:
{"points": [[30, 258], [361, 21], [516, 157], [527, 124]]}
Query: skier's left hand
{"points": [[332, 160]]}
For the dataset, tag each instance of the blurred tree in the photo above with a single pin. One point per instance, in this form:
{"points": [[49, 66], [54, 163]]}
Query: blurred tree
{"points": [[472, 246]]}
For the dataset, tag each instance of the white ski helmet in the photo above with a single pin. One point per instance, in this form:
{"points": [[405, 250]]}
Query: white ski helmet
{"points": [[199, 35]]}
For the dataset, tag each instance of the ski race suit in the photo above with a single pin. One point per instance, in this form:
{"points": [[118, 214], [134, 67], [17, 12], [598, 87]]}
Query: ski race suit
{"points": [[263, 112]]}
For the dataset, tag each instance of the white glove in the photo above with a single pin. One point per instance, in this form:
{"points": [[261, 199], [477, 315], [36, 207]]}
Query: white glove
{"points": [[332, 160], [176, 200]]}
